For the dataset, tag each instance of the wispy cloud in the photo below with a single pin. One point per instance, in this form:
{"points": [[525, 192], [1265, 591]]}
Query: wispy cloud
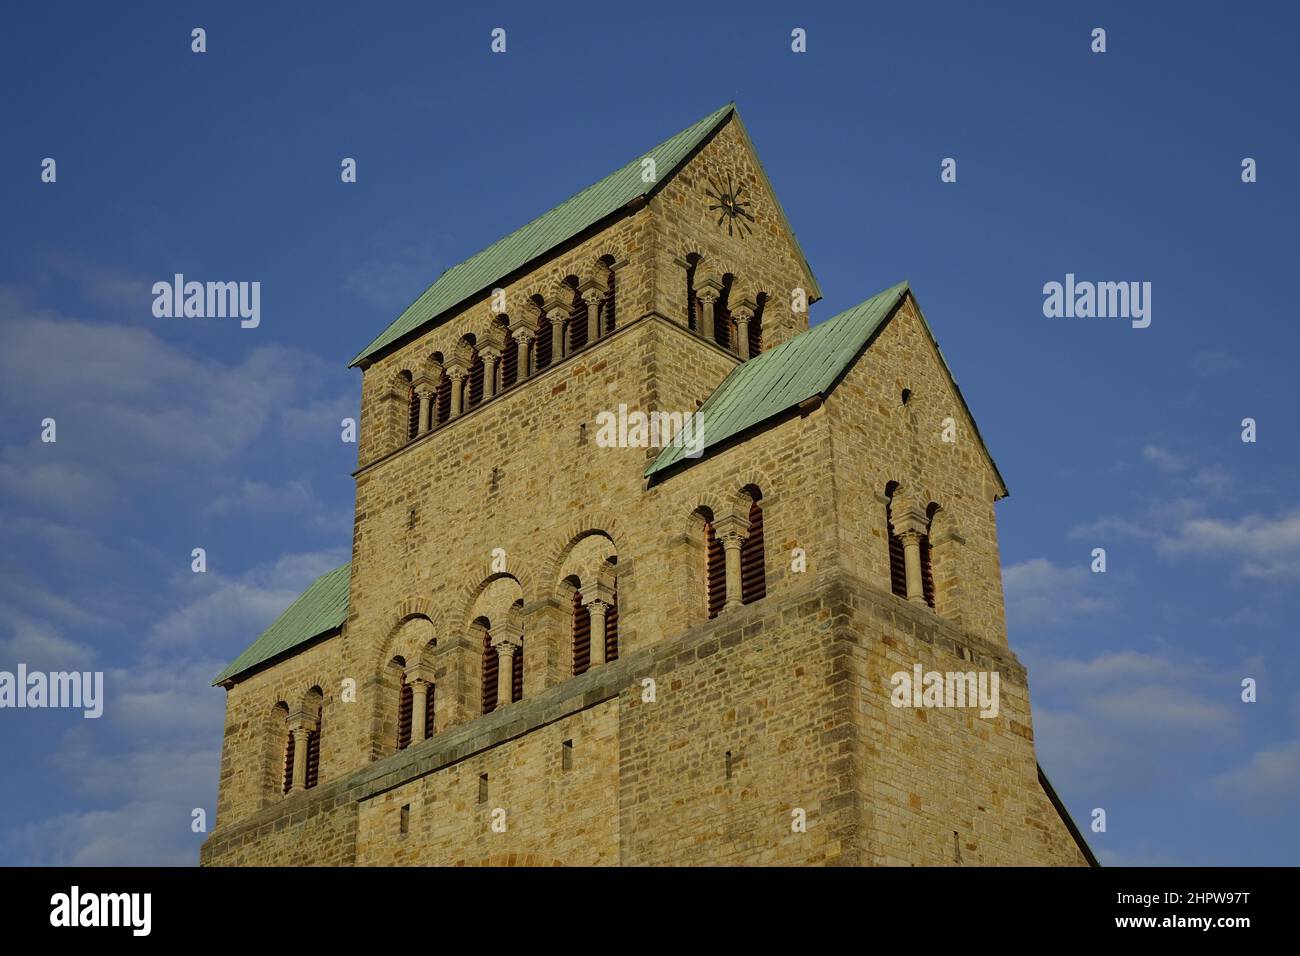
{"points": [[1042, 594]]}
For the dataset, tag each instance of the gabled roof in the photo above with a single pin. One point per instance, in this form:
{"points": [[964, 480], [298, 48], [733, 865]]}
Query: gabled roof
{"points": [[807, 366], [570, 218], [321, 608]]}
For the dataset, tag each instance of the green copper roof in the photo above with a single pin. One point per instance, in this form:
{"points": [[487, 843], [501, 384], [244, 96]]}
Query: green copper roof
{"points": [[322, 607], [781, 378], [543, 234], [807, 365]]}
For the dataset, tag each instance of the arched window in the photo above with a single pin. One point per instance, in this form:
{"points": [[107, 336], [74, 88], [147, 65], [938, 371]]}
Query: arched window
{"points": [[756, 326], [475, 390], [581, 633], [753, 580], [611, 627], [723, 324], [412, 413], [715, 570], [313, 755], [490, 666], [577, 322], [509, 362], [442, 399], [405, 702], [897, 567], [288, 764], [610, 295], [542, 346], [927, 572], [692, 320]]}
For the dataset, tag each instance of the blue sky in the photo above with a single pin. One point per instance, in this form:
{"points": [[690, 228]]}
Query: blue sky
{"points": [[1122, 166]]}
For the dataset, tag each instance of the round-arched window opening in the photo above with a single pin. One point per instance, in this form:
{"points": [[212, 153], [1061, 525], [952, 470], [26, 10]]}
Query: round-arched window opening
{"points": [[907, 395]]}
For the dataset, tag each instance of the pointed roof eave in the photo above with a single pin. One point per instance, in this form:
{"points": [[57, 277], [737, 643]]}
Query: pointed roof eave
{"points": [[538, 237]]}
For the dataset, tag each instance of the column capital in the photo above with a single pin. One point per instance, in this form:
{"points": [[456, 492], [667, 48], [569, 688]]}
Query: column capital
{"points": [[524, 331], [302, 721], [593, 297], [707, 295], [557, 314], [731, 527], [419, 673], [598, 592], [489, 353], [908, 517], [708, 284], [456, 369]]}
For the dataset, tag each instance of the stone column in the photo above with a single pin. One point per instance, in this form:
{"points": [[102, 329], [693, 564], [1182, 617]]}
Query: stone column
{"points": [[598, 599], [490, 356], [457, 375], [593, 296], [742, 315], [420, 677], [426, 395], [506, 648], [557, 317], [523, 338], [300, 724], [911, 524], [707, 296], [732, 530]]}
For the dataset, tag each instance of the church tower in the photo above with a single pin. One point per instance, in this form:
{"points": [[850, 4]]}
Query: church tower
{"points": [[646, 571]]}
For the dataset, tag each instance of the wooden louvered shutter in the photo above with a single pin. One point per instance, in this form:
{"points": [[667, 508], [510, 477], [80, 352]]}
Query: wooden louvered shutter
{"points": [[611, 627], [517, 675], [927, 575], [578, 324], [581, 635], [690, 298], [288, 764], [313, 756], [405, 703], [490, 665], [412, 415], [610, 303], [722, 324], [756, 333], [542, 347], [753, 577], [509, 363], [897, 566], [442, 396], [715, 571], [428, 711], [475, 381]]}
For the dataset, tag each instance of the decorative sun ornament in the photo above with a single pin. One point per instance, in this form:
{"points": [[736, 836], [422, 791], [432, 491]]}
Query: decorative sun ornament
{"points": [[730, 207]]}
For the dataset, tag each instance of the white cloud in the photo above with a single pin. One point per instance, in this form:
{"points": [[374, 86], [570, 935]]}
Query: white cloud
{"points": [[1265, 546], [1042, 594]]}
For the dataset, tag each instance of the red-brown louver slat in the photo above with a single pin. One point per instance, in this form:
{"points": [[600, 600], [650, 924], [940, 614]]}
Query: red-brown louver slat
{"points": [[405, 702], [476, 381], [509, 363], [611, 627], [753, 580], [490, 665], [715, 571], [897, 567], [313, 756], [578, 323], [288, 763], [690, 297], [428, 711], [581, 635], [542, 347], [413, 415], [927, 574], [756, 333], [722, 324], [517, 675], [610, 303], [443, 398]]}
